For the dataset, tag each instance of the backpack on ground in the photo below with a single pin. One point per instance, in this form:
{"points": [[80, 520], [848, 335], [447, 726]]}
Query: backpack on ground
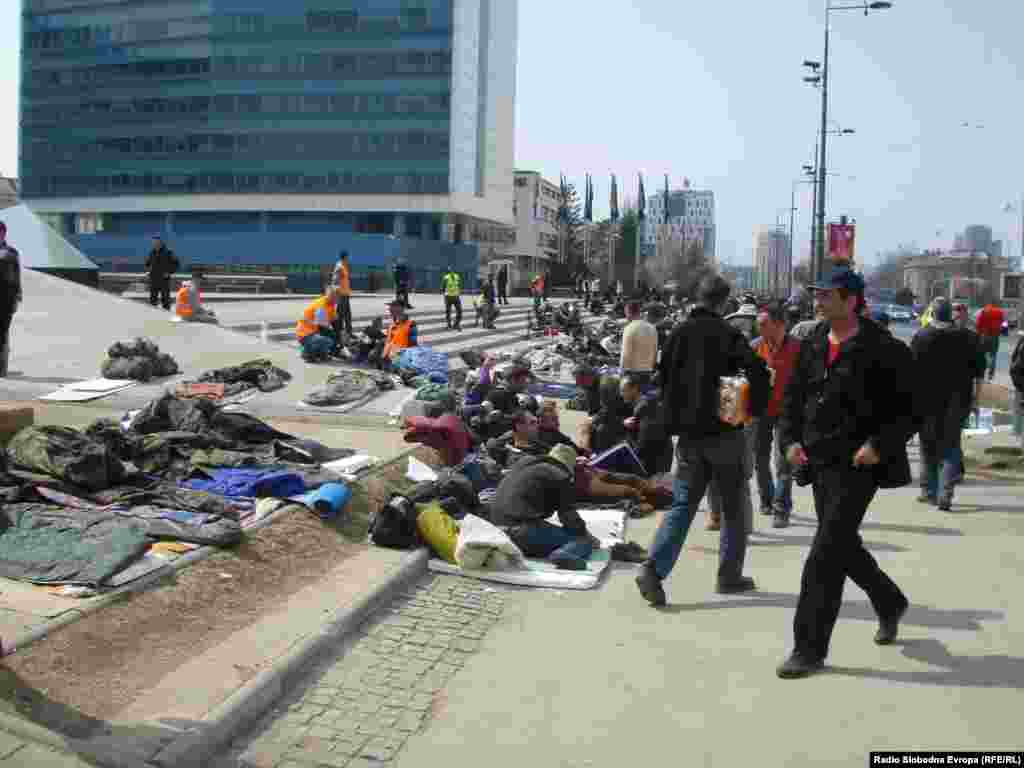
{"points": [[394, 524]]}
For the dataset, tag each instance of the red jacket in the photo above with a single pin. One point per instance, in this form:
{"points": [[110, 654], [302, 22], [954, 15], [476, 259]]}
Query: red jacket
{"points": [[782, 361], [990, 321]]}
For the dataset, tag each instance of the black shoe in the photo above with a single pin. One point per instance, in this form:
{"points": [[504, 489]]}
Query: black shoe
{"points": [[628, 552], [889, 628], [925, 498], [945, 505], [797, 666], [780, 521], [743, 584], [767, 511], [570, 563], [649, 584]]}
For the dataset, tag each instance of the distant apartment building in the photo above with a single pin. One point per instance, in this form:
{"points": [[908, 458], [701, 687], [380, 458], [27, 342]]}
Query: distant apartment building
{"points": [[691, 219], [533, 243], [773, 268]]}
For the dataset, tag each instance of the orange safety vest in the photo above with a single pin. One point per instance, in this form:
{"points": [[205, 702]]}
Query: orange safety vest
{"points": [[344, 281], [307, 323], [182, 308], [398, 337]]}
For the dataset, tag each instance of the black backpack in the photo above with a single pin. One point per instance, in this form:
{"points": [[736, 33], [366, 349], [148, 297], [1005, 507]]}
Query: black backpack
{"points": [[1017, 366], [394, 524]]}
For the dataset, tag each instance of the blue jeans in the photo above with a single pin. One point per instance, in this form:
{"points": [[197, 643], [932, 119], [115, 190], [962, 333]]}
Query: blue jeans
{"points": [[317, 346], [546, 540], [696, 461], [939, 474], [776, 492]]}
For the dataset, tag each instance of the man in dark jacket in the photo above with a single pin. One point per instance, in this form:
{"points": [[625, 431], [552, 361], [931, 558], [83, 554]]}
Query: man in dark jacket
{"points": [[10, 294], [535, 488], [161, 263], [503, 284], [402, 283], [847, 417], [950, 360], [520, 442], [699, 353]]}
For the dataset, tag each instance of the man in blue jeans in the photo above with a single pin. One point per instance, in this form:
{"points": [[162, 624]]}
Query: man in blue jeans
{"points": [[697, 355], [535, 488], [948, 361]]}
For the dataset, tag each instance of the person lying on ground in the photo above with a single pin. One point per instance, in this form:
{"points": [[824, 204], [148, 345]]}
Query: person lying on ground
{"points": [[519, 442]]}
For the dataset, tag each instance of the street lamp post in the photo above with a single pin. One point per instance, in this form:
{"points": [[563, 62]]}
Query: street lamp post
{"points": [[823, 144]]}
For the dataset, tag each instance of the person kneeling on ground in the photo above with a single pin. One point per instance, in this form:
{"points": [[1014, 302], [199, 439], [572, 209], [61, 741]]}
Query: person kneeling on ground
{"points": [[527, 496], [189, 302], [315, 329]]}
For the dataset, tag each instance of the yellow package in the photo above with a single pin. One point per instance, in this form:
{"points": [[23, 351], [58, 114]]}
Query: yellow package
{"points": [[438, 529], [734, 400]]}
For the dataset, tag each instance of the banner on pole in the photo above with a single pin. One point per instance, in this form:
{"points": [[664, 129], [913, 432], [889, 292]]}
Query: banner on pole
{"points": [[841, 243]]}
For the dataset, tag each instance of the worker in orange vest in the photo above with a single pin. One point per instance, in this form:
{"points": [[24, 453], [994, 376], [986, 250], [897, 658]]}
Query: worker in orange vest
{"points": [[315, 329], [401, 335], [188, 303], [343, 281]]}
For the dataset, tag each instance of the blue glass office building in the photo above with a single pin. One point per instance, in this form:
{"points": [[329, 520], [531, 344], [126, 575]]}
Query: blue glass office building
{"points": [[268, 135]]}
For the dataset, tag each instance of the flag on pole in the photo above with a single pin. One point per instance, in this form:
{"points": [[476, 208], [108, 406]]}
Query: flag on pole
{"points": [[666, 198], [615, 200], [641, 203], [563, 208], [588, 202]]}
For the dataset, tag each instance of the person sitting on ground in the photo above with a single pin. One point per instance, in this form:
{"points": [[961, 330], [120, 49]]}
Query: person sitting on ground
{"points": [[515, 381], [608, 427], [400, 335], [646, 426], [588, 389], [528, 495], [521, 441], [549, 429], [189, 301], [315, 329]]}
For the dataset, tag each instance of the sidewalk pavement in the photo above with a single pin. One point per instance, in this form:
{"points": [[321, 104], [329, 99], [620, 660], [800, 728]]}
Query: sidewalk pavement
{"points": [[600, 679]]}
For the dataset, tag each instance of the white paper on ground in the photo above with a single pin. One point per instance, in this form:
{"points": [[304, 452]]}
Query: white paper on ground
{"points": [[66, 395], [419, 472], [101, 385], [351, 465]]}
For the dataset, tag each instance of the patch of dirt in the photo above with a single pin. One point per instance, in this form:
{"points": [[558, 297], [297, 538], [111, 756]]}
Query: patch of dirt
{"points": [[93, 668]]}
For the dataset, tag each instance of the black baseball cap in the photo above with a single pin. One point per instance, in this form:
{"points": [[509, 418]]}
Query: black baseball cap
{"points": [[840, 277]]}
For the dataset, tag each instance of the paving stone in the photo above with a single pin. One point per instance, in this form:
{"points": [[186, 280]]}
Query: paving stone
{"points": [[266, 756], [37, 756]]}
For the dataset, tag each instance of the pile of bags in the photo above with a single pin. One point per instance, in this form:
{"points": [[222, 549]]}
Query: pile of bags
{"points": [[138, 360]]}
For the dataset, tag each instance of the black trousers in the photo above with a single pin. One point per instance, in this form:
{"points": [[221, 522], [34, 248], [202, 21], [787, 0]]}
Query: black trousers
{"points": [[161, 286], [449, 302], [6, 315], [502, 293], [402, 294], [344, 321], [841, 498]]}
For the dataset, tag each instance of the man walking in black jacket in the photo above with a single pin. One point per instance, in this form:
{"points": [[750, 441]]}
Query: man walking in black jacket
{"points": [[161, 263], [698, 354], [847, 417]]}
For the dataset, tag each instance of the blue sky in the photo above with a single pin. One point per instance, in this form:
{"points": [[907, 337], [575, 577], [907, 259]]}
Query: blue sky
{"points": [[713, 92]]}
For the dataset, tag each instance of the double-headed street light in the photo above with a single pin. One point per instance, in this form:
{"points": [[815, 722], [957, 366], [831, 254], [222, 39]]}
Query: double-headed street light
{"points": [[819, 76]]}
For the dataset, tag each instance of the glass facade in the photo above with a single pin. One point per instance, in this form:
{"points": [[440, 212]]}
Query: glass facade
{"points": [[235, 96]]}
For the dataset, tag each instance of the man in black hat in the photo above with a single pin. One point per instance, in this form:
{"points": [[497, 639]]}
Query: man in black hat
{"points": [[161, 263], [848, 415]]}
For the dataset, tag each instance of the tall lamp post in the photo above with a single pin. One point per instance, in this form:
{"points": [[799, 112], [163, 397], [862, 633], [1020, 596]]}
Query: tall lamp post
{"points": [[880, 5]]}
